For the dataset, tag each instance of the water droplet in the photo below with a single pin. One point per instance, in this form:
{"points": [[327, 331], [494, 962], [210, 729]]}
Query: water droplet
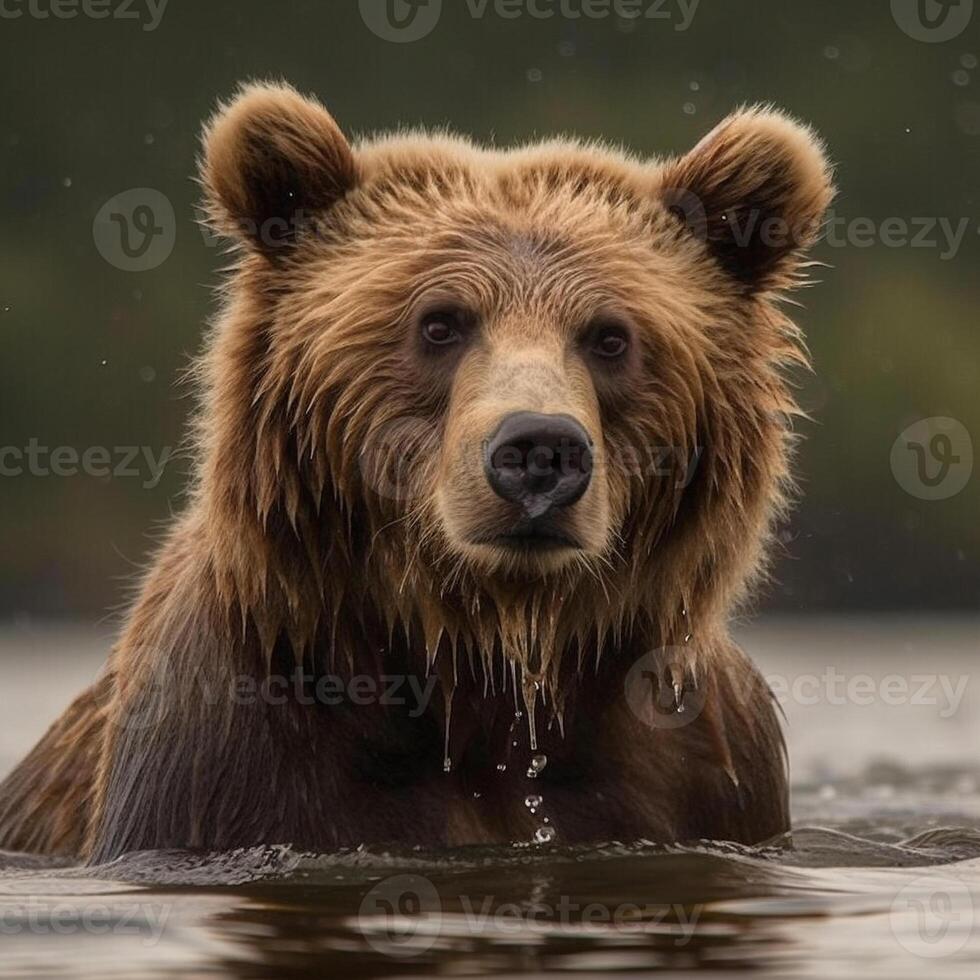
{"points": [[533, 803], [147, 374], [968, 60], [544, 835], [908, 129], [502, 767], [477, 795], [104, 362], [961, 78], [538, 762], [149, 139], [531, 686], [690, 108], [534, 74], [6, 309], [66, 182], [694, 86], [831, 52], [447, 762]]}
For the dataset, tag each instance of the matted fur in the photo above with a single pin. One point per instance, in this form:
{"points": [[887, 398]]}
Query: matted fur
{"points": [[338, 503]]}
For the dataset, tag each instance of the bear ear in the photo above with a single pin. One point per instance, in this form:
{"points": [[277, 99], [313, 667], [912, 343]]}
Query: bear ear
{"points": [[272, 160], [755, 190]]}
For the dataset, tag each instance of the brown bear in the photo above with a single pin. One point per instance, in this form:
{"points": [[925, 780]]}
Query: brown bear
{"points": [[490, 444]]}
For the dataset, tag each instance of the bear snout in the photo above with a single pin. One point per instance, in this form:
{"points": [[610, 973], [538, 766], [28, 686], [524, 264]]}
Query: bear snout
{"points": [[540, 464]]}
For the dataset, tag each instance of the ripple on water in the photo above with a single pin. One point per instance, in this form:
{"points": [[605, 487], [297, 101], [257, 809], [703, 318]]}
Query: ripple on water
{"points": [[844, 891]]}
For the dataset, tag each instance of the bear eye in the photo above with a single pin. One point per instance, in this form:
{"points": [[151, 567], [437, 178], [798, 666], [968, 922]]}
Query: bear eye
{"points": [[609, 341], [442, 328]]}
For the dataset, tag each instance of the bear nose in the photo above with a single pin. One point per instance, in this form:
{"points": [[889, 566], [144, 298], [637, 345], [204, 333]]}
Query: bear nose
{"points": [[539, 461]]}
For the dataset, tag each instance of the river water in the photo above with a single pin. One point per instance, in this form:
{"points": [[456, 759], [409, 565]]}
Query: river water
{"points": [[880, 877]]}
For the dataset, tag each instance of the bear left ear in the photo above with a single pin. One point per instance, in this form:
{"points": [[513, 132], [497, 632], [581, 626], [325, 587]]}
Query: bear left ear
{"points": [[755, 190], [272, 160]]}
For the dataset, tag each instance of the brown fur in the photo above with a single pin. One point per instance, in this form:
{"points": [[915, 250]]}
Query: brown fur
{"points": [[316, 395]]}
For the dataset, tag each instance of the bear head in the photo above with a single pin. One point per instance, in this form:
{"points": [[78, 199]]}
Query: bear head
{"points": [[523, 399]]}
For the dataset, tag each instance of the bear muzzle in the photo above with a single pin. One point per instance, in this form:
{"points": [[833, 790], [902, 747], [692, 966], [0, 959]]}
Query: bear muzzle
{"points": [[541, 465]]}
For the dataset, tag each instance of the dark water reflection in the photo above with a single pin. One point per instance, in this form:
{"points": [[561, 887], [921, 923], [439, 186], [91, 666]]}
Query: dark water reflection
{"points": [[818, 901]]}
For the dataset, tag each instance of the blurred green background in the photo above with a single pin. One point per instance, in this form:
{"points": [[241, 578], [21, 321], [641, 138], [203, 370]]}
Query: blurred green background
{"points": [[91, 353]]}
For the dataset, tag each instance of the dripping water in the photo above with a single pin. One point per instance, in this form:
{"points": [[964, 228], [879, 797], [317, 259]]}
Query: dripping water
{"points": [[447, 760], [531, 685]]}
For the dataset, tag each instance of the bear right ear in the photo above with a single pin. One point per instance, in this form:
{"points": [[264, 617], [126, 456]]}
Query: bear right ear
{"points": [[754, 191], [272, 160]]}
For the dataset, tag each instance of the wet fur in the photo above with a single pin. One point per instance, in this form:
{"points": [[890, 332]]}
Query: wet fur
{"points": [[286, 554]]}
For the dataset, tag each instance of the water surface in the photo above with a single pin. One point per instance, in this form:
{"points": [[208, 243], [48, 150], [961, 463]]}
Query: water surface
{"points": [[880, 877]]}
